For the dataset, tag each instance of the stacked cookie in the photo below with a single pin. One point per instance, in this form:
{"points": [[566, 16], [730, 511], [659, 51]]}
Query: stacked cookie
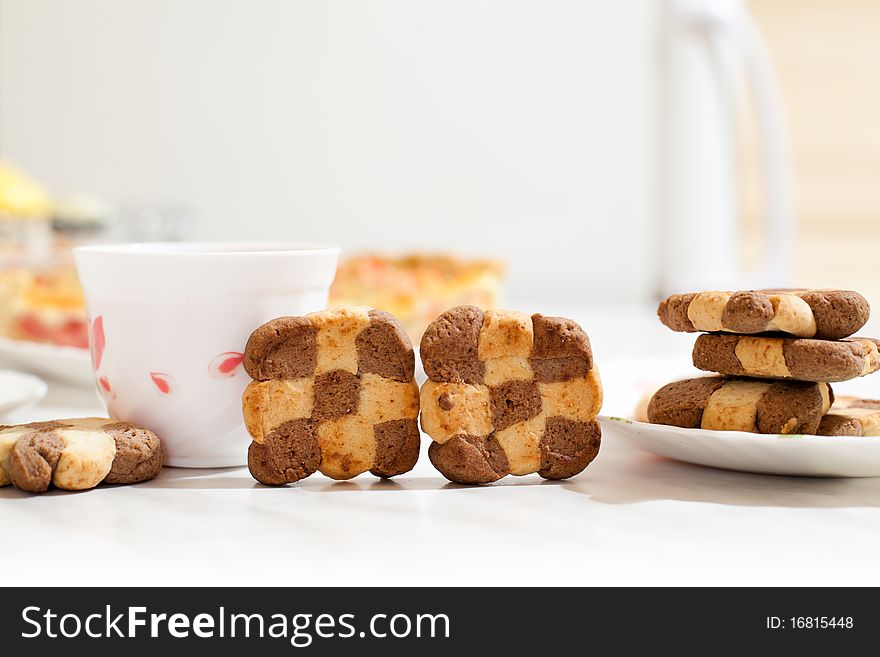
{"points": [[776, 351]]}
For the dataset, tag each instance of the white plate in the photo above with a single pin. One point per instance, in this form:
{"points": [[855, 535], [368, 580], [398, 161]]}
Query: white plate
{"points": [[68, 364], [628, 380], [806, 456], [18, 390]]}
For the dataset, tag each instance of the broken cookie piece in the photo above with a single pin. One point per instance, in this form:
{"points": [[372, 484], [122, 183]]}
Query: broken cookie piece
{"points": [[77, 454], [851, 416]]}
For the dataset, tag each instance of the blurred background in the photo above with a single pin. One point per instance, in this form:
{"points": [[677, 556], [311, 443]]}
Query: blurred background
{"points": [[562, 152], [827, 59]]}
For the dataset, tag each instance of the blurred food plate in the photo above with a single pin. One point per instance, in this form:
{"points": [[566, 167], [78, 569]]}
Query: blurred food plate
{"points": [[18, 390], [807, 456], [43, 302], [416, 287], [67, 364]]}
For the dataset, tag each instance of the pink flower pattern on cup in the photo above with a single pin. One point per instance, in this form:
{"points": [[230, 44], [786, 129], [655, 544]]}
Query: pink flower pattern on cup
{"points": [[223, 366], [164, 382], [97, 346], [98, 341], [105, 387], [226, 365]]}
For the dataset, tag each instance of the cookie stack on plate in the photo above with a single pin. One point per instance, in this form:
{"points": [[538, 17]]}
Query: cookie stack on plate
{"points": [[776, 352]]}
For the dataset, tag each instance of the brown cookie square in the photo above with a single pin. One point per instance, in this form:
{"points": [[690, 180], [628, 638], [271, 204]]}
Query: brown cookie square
{"points": [[284, 348], [336, 394], [568, 446], [552, 370], [450, 346], [397, 447], [467, 459], [33, 459], [289, 453], [561, 349], [514, 401], [384, 348]]}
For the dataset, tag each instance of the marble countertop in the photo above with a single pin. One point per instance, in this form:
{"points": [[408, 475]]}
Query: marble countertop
{"points": [[630, 519]]}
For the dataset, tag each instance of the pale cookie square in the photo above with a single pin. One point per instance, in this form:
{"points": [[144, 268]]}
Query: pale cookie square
{"points": [[825, 391], [575, 399], [509, 368], [337, 330], [872, 356], [762, 356], [348, 447], [793, 315], [522, 444], [449, 409], [505, 333], [268, 404], [86, 459], [8, 438], [733, 406], [384, 399], [706, 309]]}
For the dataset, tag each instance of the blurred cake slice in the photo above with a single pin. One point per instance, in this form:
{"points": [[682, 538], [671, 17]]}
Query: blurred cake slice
{"points": [[43, 305], [416, 287]]}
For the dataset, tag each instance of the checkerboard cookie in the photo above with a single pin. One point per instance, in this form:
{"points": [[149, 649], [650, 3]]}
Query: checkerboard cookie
{"points": [[77, 454], [508, 394], [332, 391], [825, 314], [851, 416], [732, 404], [804, 359]]}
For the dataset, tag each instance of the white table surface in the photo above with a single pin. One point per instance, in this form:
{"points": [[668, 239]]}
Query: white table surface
{"points": [[631, 518]]}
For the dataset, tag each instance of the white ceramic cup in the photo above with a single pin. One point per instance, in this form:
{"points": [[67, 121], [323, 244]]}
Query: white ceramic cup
{"points": [[168, 323]]}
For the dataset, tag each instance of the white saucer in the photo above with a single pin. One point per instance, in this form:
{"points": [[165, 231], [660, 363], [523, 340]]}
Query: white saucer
{"points": [[628, 381], [18, 389], [806, 456], [68, 364]]}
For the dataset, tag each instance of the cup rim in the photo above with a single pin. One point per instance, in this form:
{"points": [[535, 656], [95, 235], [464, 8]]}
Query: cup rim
{"points": [[208, 249]]}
